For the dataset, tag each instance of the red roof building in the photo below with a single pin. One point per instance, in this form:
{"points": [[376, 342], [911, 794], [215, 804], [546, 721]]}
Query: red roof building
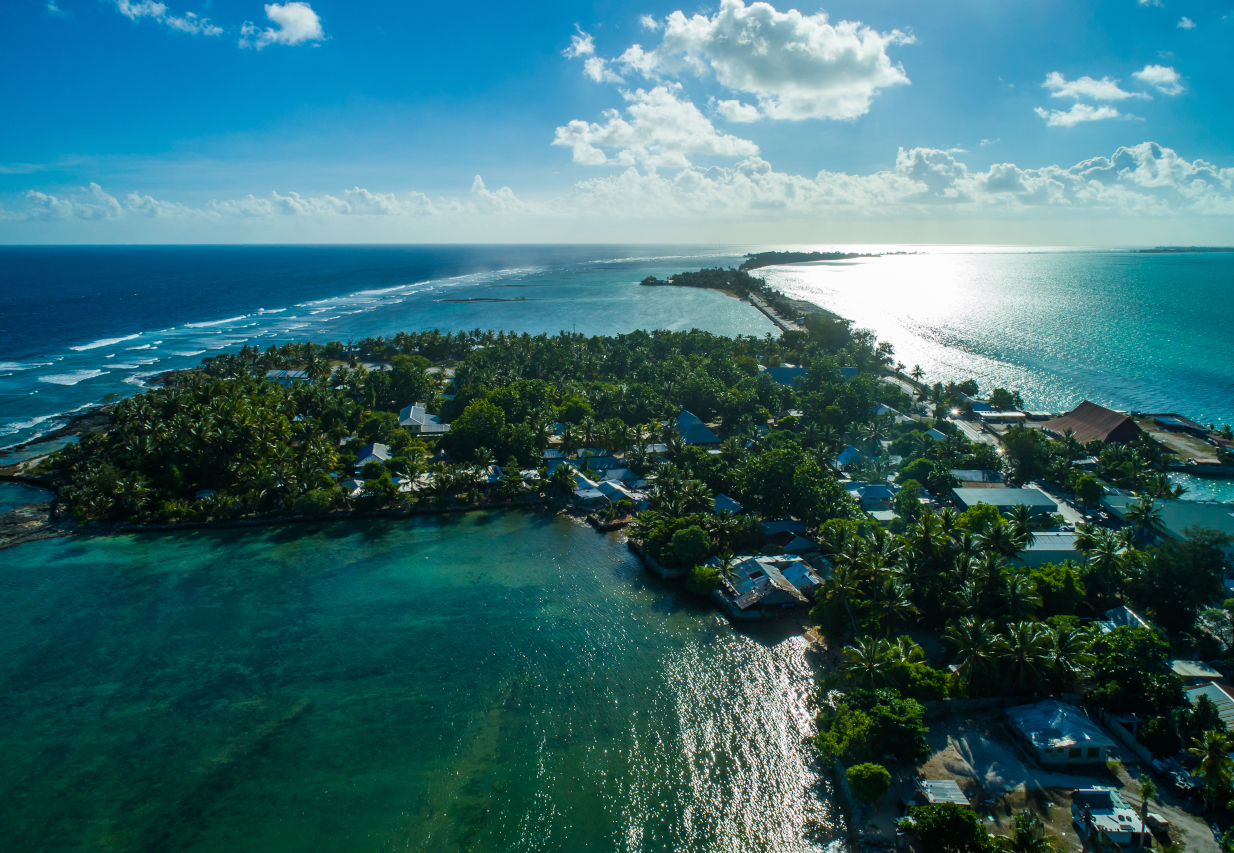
{"points": [[1091, 422]]}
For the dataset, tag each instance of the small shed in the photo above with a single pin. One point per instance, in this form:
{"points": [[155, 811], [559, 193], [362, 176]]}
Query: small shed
{"points": [[937, 791]]}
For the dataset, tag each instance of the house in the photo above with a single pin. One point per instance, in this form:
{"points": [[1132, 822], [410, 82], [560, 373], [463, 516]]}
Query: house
{"points": [[352, 487], [589, 497], [935, 434], [1057, 733], [972, 478], [204, 494], [1177, 516], [1123, 617], [786, 374], [615, 491], [554, 453], [1004, 499], [1195, 672], [848, 456], [1090, 422], [372, 453], [847, 373], [415, 418], [621, 475], [1177, 423], [723, 503], [1113, 819], [783, 532], [872, 497], [1051, 547], [287, 378], [757, 589], [934, 792], [1219, 695], [693, 431]]}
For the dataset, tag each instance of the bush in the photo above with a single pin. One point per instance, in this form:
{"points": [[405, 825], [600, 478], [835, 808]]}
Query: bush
{"points": [[948, 828], [316, 502], [703, 579], [690, 546], [868, 782]]}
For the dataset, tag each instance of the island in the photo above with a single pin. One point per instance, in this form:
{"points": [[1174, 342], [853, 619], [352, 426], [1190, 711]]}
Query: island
{"points": [[952, 555]]}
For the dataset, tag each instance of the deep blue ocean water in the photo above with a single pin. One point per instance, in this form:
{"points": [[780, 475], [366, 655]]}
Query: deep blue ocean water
{"points": [[1150, 332]]}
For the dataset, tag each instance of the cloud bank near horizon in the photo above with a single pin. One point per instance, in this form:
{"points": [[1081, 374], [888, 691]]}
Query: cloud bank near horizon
{"points": [[1141, 180]]}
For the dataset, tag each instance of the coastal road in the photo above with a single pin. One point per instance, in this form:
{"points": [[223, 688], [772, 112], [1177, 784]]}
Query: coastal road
{"points": [[774, 316], [974, 433]]}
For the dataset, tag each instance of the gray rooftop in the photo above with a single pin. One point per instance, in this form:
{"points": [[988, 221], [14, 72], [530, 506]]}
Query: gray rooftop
{"points": [[1004, 498], [1179, 515]]}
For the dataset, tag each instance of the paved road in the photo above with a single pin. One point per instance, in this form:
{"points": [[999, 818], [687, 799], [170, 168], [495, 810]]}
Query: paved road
{"points": [[974, 433]]}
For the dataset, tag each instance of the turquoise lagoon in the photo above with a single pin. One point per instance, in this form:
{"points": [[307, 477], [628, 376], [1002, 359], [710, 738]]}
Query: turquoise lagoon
{"points": [[490, 681]]}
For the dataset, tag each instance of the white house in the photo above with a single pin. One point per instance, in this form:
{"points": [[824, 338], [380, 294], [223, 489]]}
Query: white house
{"points": [[1057, 733], [415, 418], [372, 453]]}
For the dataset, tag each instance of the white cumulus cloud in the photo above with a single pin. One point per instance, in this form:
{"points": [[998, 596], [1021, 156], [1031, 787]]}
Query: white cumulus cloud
{"points": [[661, 130], [1142, 179], [797, 66], [648, 22], [186, 23], [1077, 114], [1185, 23], [581, 44], [736, 111], [1162, 77], [1104, 89], [295, 23]]}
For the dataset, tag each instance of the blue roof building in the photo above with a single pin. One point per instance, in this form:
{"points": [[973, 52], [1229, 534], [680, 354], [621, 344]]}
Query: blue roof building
{"points": [[693, 431]]}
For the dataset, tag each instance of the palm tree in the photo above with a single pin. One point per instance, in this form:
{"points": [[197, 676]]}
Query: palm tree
{"points": [[1104, 551], [917, 373], [1022, 523], [722, 526], [1216, 767], [973, 641], [1148, 790], [1000, 539], [1023, 654], [843, 584], [1021, 599], [867, 662], [1145, 518], [727, 566], [1068, 658], [892, 603]]}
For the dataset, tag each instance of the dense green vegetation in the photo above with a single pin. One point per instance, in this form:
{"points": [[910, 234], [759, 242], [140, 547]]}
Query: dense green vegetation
{"points": [[766, 259], [221, 442]]}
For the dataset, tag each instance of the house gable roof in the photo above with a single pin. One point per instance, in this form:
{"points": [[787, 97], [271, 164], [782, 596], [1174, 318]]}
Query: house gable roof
{"points": [[1091, 422]]}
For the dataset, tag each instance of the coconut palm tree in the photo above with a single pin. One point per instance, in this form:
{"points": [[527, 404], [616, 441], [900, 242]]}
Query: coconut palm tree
{"points": [[1022, 523], [843, 584], [722, 526], [917, 373], [1105, 553], [974, 644], [1144, 516], [1022, 653], [1148, 790], [1068, 658], [867, 662], [892, 603], [1021, 599], [1216, 767], [1001, 539]]}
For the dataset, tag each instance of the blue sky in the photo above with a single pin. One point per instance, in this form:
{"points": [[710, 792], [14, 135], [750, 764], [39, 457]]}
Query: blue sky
{"points": [[229, 120]]}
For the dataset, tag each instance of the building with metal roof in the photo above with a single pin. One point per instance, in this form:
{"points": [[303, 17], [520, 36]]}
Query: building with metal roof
{"points": [[1194, 672], [1090, 422], [1112, 817], [287, 378], [786, 374], [937, 791], [723, 503], [1057, 733], [415, 418], [1219, 696], [1004, 499], [1123, 617], [693, 431], [848, 456], [1050, 547], [1177, 516], [372, 453]]}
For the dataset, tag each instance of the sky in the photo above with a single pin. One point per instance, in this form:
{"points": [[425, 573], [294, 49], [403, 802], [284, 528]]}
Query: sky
{"points": [[954, 121]]}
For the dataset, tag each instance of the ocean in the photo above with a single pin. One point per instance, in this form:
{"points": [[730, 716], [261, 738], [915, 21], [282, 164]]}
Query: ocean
{"points": [[486, 682], [1152, 332]]}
